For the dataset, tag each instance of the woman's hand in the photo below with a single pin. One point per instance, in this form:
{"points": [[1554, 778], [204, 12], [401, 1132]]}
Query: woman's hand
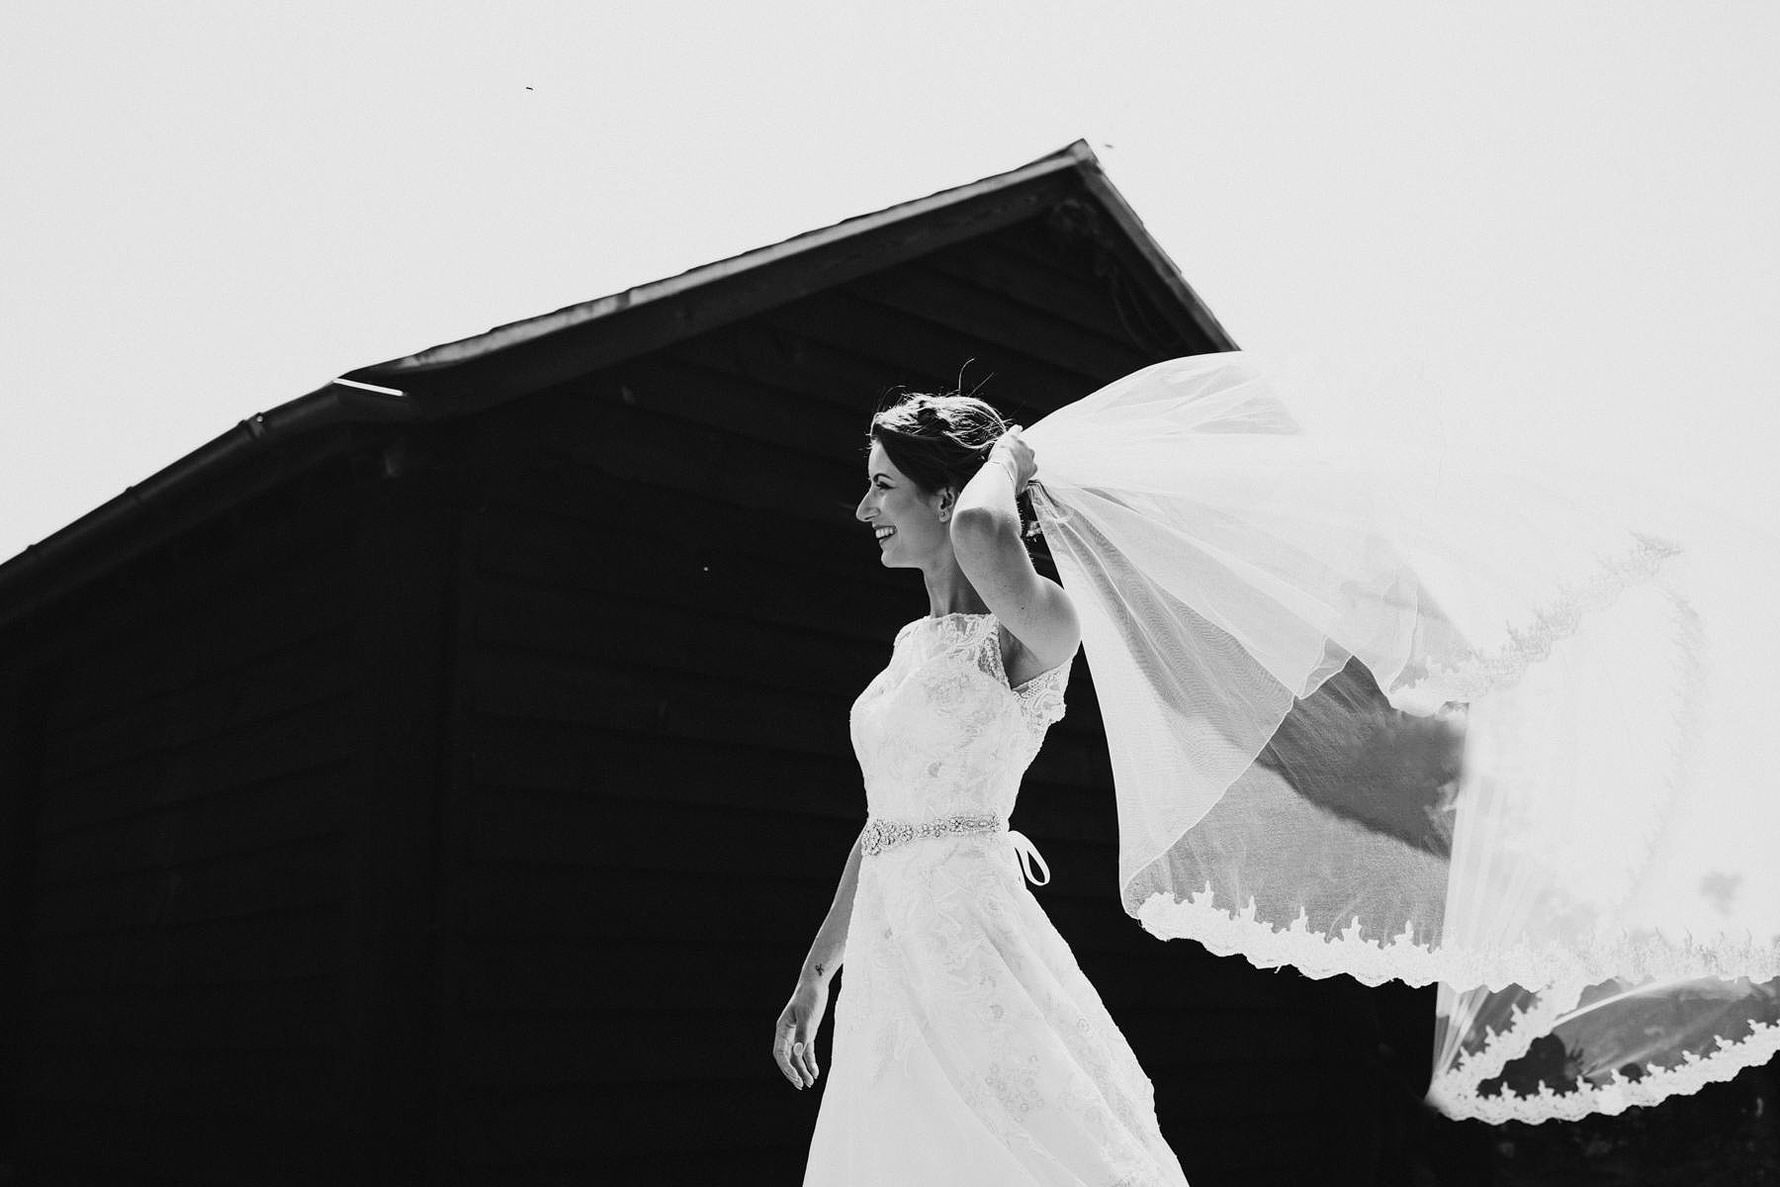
{"points": [[985, 537], [1011, 451], [794, 1036]]}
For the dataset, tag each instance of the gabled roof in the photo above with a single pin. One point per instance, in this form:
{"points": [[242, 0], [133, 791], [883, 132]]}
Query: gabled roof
{"points": [[512, 360], [594, 333]]}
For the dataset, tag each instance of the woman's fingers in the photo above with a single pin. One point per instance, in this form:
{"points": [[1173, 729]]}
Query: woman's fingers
{"points": [[804, 1055], [794, 1043], [797, 1062], [1025, 461], [782, 1050]]}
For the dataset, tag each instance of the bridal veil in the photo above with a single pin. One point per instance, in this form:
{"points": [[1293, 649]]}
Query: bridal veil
{"points": [[1433, 718]]}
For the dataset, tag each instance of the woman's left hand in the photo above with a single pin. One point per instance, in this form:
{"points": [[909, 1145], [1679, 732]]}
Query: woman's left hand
{"points": [[794, 1035], [1011, 451]]}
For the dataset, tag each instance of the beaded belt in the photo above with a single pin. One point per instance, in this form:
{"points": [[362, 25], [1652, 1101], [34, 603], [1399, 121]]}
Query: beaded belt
{"points": [[881, 834]]}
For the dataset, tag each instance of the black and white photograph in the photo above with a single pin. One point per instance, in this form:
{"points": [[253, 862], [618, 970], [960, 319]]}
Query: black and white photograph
{"points": [[905, 594]]}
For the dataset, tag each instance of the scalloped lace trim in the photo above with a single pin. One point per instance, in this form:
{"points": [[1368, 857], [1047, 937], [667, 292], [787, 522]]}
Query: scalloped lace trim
{"points": [[1501, 1047], [1315, 954], [1266, 945], [1471, 676], [1455, 1094], [1040, 698]]}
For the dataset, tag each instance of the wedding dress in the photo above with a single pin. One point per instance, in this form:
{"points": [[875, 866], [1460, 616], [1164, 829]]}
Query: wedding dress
{"points": [[968, 1046]]}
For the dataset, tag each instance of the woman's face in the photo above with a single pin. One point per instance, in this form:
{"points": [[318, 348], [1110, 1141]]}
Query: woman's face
{"points": [[910, 524]]}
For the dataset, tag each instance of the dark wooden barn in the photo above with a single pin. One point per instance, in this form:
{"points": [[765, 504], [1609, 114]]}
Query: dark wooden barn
{"points": [[439, 777]]}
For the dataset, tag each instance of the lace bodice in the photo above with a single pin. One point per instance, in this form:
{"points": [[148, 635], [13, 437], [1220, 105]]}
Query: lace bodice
{"points": [[940, 732], [969, 1047]]}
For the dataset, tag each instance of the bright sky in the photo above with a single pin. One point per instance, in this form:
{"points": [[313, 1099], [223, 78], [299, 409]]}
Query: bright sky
{"points": [[1510, 221]]}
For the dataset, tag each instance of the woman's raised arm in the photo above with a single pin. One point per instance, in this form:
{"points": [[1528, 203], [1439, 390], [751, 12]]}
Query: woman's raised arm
{"points": [[985, 535]]}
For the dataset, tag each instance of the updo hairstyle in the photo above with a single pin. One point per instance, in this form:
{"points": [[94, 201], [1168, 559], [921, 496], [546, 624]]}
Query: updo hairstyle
{"points": [[941, 440]]}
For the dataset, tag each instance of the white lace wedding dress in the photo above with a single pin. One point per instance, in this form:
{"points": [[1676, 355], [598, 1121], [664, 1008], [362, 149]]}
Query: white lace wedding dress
{"points": [[968, 1046]]}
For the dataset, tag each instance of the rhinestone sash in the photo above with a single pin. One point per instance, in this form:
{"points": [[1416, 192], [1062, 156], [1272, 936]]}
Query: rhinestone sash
{"points": [[881, 833]]}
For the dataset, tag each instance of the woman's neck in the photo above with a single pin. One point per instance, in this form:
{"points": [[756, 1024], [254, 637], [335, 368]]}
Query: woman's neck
{"points": [[950, 592]]}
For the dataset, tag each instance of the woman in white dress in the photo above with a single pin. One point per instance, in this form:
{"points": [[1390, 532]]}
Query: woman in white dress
{"points": [[1590, 877], [968, 1046]]}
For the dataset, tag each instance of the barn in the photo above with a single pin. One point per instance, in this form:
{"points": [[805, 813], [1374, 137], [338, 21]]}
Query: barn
{"points": [[439, 777]]}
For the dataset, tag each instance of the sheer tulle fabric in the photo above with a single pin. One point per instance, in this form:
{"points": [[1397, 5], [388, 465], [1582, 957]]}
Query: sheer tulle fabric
{"points": [[1437, 719]]}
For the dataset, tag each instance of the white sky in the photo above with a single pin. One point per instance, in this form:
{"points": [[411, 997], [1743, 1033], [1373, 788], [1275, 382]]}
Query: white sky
{"points": [[1518, 222]]}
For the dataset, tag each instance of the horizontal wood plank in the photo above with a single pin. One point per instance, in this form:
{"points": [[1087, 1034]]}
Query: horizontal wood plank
{"points": [[111, 782], [637, 632], [930, 293], [587, 1124], [297, 1012], [302, 872], [664, 704], [274, 681], [859, 326], [531, 975], [572, 760], [174, 831], [1077, 297], [585, 831], [183, 631], [236, 950], [678, 553], [808, 370], [93, 1144]]}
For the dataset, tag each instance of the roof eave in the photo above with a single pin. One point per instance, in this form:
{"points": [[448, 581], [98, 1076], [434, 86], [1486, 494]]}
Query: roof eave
{"points": [[125, 526], [1077, 156], [527, 356], [468, 375], [1164, 271]]}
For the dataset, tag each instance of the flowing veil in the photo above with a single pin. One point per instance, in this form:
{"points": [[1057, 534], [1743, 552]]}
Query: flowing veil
{"points": [[1437, 719]]}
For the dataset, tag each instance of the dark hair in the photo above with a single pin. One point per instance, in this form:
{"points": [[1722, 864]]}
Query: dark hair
{"points": [[940, 440], [937, 440]]}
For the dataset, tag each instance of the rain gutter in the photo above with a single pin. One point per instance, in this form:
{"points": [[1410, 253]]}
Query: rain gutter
{"points": [[285, 440]]}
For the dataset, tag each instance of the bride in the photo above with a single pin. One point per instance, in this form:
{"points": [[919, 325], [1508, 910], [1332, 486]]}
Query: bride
{"points": [[968, 1046], [1494, 724]]}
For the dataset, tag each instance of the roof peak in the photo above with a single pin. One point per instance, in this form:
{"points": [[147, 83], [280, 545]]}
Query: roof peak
{"points": [[1077, 157]]}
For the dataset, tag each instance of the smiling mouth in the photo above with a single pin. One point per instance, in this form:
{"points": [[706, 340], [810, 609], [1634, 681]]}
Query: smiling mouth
{"points": [[885, 533]]}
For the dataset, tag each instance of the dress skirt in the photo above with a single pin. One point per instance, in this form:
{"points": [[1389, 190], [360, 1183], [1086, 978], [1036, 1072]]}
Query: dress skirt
{"points": [[969, 1048]]}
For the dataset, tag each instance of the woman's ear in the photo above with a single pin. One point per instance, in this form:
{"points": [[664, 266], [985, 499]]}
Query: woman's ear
{"points": [[947, 497]]}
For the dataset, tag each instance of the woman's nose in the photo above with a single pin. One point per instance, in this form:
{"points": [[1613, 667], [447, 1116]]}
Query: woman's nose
{"points": [[859, 511]]}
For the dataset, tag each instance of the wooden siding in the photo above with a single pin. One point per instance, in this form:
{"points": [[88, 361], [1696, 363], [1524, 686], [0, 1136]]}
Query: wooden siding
{"points": [[181, 930]]}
